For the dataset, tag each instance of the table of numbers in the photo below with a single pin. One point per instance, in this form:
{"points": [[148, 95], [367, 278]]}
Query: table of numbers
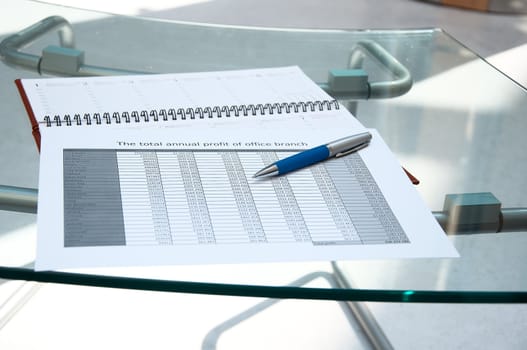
{"points": [[195, 197]]}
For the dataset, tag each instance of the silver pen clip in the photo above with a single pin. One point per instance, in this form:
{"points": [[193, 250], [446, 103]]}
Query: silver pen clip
{"points": [[352, 149]]}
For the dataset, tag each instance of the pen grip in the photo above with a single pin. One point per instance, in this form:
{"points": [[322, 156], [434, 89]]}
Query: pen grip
{"points": [[302, 159]]}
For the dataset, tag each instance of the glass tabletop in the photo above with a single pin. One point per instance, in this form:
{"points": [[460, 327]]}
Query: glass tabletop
{"points": [[459, 128]]}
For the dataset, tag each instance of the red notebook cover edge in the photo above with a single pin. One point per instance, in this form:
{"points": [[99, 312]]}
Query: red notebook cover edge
{"points": [[35, 128]]}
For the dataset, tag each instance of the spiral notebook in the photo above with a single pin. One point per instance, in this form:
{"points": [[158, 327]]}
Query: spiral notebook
{"points": [[165, 99], [157, 169]]}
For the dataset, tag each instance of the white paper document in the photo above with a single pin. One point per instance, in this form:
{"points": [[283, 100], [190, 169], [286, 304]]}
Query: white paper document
{"points": [[140, 200]]}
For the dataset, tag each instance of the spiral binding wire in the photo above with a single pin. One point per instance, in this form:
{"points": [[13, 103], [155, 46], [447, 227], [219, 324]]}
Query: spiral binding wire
{"points": [[190, 113]]}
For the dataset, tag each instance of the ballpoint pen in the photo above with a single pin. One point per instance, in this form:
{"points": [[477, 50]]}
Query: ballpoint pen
{"points": [[338, 148]]}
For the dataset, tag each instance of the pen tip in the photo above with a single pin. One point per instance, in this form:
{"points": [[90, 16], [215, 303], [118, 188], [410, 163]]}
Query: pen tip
{"points": [[270, 170]]}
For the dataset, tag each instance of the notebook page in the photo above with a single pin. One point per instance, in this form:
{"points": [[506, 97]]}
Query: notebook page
{"points": [[60, 97]]}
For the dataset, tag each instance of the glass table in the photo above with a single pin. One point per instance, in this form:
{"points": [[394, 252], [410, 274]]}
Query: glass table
{"points": [[458, 126]]}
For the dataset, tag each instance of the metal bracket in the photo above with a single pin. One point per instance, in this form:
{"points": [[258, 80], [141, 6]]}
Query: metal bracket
{"points": [[10, 47], [353, 83], [479, 213], [18, 199], [65, 60]]}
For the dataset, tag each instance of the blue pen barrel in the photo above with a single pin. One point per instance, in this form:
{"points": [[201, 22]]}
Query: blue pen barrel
{"points": [[302, 159]]}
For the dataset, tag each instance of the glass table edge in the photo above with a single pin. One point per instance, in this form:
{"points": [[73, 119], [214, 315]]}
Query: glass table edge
{"points": [[275, 292], [423, 29]]}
